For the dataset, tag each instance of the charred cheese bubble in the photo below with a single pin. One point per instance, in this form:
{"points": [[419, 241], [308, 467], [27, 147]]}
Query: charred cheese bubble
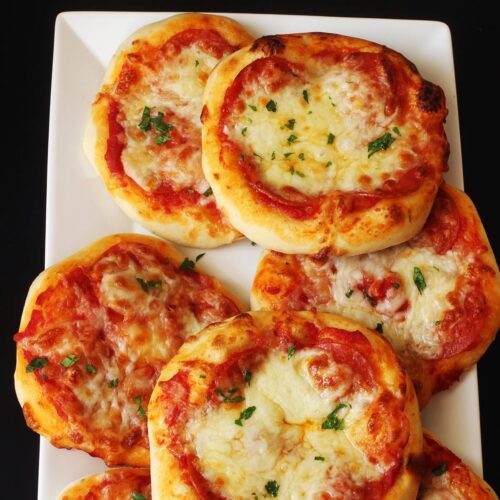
{"points": [[314, 418]]}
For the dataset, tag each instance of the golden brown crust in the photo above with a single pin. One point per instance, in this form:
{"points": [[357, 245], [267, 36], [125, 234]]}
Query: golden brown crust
{"points": [[282, 282], [39, 411], [119, 483], [191, 224], [220, 343], [395, 217], [446, 477]]}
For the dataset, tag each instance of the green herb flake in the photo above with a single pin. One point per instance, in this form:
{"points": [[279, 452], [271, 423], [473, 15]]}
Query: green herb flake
{"points": [[291, 351], [440, 469], [36, 364], [286, 155], [419, 280], [69, 360], [273, 156], [208, 192], [253, 243], [161, 139], [296, 172], [437, 323], [252, 106], [91, 368], [301, 156], [333, 421], [330, 139], [244, 131], [227, 399], [245, 415], [290, 124], [328, 164], [203, 375], [305, 95], [160, 125], [396, 131], [369, 298], [257, 155], [137, 496], [197, 63], [140, 411], [145, 123], [187, 265], [112, 384], [379, 328], [272, 487], [383, 142], [146, 285], [349, 293], [292, 138], [396, 285], [319, 458], [199, 256], [271, 106], [247, 375]]}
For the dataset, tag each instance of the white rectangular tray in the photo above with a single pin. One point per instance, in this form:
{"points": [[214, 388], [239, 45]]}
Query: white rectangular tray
{"points": [[79, 210]]}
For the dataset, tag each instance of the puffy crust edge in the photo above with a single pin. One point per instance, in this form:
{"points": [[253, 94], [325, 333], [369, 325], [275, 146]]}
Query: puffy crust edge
{"points": [[167, 480], [39, 414], [191, 226], [392, 221], [79, 488]]}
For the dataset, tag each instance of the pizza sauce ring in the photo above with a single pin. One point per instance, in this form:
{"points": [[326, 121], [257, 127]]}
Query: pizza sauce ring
{"points": [[95, 332], [292, 403], [446, 477], [121, 483], [144, 137], [435, 298], [317, 140]]}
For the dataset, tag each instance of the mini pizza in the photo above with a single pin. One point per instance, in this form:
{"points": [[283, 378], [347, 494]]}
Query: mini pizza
{"points": [[436, 298], [95, 333], [144, 135], [446, 477], [319, 140], [124, 483], [286, 405]]}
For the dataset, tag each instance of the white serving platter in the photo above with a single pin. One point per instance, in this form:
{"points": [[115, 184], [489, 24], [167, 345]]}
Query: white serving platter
{"points": [[79, 210]]}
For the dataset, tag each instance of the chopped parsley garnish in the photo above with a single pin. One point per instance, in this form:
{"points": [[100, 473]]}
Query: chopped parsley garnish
{"points": [[383, 142], [290, 124], [245, 415], [247, 375], [328, 164], [196, 63], [140, 411], [440, 469], [291, 138], [208, 192], [36, 364], [331, 138], [257, 155], [91, 368], [203, 375], [291, 351], [301, 156], [333, 421], [244, 131], [331, 102], [286, 155], [305, 95], [438, 322], [69, 360], [137, 496], [273, 156], [253, 243], [272, 487], [112, 384], [145, 123], [396, 131], [227, 399], [271, 106], [419, 280], [187, 265], [296, 172], [146, 285], [160, 125], [349, 293], [198, 257], [379, 328], [252, 106], [161, 139], [319, 458], [369, 298]]}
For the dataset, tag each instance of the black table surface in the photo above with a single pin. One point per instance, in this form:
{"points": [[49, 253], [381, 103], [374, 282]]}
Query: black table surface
{"points": [[27, 43]]}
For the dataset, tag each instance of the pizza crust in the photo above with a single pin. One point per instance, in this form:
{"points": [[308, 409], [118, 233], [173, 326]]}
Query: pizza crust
{"points": [[40, 414], [191, 225], [218, 343], [393, 219]]}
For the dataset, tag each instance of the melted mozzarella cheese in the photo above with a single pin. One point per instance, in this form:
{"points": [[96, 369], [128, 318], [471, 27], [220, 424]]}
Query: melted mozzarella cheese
{"points": [[413, 329], [341, 102], [281, 439], [177, 86]]}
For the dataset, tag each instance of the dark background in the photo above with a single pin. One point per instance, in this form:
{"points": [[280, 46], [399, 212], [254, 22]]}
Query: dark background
{"points": [[26, 58]]}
